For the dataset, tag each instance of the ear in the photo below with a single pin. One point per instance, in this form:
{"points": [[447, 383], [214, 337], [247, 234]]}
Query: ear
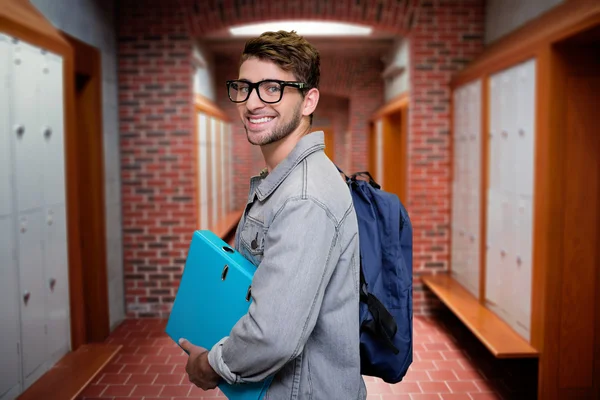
{"points": [[311, 99]]}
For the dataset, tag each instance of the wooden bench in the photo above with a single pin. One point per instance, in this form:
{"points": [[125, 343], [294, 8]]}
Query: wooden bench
{"points": [[72, 373], [494, 333]]}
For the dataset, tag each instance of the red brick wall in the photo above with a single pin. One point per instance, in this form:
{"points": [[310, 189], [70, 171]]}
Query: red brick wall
{"points": [[157, 138], [157, 152], [448, 34], [354, 78]]}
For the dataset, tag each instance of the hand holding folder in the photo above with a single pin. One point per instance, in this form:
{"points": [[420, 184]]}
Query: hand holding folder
{"points": [[214, 293]]}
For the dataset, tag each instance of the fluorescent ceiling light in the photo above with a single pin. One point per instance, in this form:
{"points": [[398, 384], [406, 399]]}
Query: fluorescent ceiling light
{"points": [[304, 28]]}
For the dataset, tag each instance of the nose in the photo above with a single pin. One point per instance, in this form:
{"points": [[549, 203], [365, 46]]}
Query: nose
{"points": [[254, 102]]}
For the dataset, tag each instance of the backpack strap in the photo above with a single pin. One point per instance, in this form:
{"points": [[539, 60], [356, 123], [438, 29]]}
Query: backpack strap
{"points": [[382, 326], [367, 174]]}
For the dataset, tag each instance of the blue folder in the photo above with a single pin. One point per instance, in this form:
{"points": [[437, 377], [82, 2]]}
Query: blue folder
{"points": [[214, 293]]}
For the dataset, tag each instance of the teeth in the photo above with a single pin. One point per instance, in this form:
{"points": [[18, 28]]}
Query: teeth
{"points": [[260, 120]]}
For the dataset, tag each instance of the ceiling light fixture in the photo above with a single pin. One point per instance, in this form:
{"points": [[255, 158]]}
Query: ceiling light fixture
{"points": [[304, 28]]}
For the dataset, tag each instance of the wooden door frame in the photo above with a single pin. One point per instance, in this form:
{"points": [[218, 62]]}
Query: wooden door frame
{"points": [[538, 39], [327, 131], [22, 20], [92, 219], [398, 107]]}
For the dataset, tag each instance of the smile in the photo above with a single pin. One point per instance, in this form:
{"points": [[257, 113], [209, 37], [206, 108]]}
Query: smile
{"points": [[260, 120]]}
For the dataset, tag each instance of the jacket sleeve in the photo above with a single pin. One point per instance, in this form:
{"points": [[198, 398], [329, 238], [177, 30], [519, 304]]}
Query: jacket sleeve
{"points": [[301, 252]]}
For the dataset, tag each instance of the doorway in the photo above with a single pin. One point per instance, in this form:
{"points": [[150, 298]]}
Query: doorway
{"points": [[388, 148], [576, 121], [90, 172], [329, 140]]}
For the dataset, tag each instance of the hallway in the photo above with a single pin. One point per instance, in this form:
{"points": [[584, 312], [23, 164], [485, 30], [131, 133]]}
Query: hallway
{"points": [[119, 139], [450, 364]]}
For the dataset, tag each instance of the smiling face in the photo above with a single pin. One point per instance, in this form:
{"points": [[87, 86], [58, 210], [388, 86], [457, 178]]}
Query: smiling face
{"points": [[268, 123]]}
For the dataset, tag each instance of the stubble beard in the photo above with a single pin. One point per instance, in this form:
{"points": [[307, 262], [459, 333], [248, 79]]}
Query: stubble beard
{"points": [[279, 132]]}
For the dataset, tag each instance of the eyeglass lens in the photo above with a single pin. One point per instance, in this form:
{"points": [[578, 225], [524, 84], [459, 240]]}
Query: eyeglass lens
{"points": [[268, 92]]}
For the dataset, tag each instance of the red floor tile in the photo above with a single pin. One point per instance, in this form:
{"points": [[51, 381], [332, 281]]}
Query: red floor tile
{"points": [[434, 387], [175, 390], [118, 390], [406, 387], [449, 364]]}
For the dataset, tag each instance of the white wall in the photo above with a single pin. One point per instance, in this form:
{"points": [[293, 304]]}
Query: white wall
{"points": [[94, 23], [398, 84], [504, 16], [203, 79]]}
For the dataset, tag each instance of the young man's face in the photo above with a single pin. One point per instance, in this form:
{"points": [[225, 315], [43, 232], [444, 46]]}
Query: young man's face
{"points": [[267, 123]]}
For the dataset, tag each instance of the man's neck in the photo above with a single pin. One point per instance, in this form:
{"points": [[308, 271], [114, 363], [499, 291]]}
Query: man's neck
{"points": [[276, 152]]}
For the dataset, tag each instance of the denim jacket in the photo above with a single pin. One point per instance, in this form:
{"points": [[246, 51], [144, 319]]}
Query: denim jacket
{"points": [[301, 231]]}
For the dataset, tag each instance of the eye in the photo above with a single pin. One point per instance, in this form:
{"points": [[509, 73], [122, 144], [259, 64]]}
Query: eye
{"points": [[273, 88]]}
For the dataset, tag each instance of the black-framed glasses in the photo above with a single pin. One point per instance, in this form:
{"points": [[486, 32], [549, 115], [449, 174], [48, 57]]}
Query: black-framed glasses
{"points": [[269, 90]]}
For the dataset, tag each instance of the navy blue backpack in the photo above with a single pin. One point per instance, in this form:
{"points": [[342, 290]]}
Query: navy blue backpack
{"points": [[385, 236]]}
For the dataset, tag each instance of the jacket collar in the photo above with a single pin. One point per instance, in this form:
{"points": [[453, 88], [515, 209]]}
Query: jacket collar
{"points": [[309, 144]]}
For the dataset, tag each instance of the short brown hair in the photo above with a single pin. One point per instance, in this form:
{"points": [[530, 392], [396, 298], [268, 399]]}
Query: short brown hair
{"points": [[290, 51]]}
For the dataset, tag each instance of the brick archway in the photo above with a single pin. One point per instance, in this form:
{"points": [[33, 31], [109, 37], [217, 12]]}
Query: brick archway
{"points": [[159, 202], [392, 16]]}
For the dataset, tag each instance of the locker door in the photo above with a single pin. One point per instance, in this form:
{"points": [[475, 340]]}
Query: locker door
{"points": [[51, 129], [494, 133], [6, 191], [379, 152], [223, 168], [231, 171], [214, 194], [10, 360], [522, 267], [27, 61], [507, 134], [493, 266], [203, 165], [33, 291], [525, 146], [57, 282]]}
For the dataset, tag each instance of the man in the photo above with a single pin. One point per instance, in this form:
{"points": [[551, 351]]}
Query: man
{"points": [[301, 230]]}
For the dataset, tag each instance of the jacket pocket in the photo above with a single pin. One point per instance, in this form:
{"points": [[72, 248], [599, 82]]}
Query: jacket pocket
{"points": [[252, 239]]}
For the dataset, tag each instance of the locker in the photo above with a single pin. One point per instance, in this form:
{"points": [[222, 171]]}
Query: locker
{"points": [[229, 164], [56, 282], [507, 133], [33, 235], [33, 293], [203, 175], [25, 126], [214, 193], [494, 133], [522, 266], [9, 312], [51, 129], [525, 146], [379, 148], [223, 168], [5, 141], [493, 244]]}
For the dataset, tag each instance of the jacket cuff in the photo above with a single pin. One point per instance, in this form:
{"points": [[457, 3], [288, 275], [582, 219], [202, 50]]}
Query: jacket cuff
{"points": [[215, 359]]}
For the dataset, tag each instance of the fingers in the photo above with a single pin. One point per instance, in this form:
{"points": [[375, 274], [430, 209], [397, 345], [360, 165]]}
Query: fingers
{"points": [[185, 344]]}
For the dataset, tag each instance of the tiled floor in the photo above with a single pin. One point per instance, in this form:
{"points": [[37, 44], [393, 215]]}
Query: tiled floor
{"points": [[449, 363]]}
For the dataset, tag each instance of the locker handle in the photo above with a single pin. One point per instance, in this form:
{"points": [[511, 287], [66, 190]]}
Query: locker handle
{"points": [[504, 134], [26, 297], [47, 132], [52, 284], [519, 261], [19, 130], [502, 253]]}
